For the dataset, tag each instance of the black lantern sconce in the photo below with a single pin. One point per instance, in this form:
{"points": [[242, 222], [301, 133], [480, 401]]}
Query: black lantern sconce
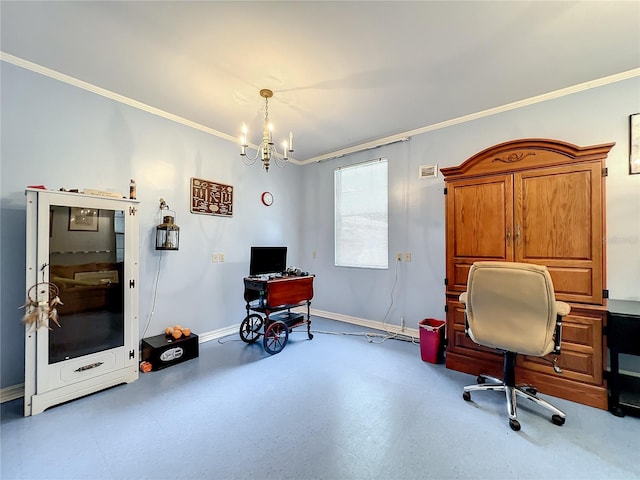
{"points": [[167, 233]]}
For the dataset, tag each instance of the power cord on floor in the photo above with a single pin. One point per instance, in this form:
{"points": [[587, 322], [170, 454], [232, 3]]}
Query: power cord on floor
{"points": [[220, 340], [371, 335]]}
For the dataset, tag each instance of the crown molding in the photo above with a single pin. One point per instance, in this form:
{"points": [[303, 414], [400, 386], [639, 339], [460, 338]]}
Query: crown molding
{"points": [[400, 137], [61, 77]]}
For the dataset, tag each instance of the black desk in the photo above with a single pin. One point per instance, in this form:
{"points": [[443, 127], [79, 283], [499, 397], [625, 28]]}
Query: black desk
{"points": [[624, 337]]}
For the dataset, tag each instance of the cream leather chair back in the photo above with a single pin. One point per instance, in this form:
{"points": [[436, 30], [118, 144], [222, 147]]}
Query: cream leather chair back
{"points": [[511, 306]]}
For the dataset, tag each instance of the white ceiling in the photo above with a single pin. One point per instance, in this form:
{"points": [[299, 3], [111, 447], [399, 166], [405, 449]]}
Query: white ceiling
{"points": [[343, 73]]}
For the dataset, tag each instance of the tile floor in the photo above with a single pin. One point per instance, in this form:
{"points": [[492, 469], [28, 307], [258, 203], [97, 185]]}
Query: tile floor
{"points": [[335, 407]]}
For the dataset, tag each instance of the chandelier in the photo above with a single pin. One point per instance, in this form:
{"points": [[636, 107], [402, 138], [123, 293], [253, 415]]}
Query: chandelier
{"points": [[266, 149]]}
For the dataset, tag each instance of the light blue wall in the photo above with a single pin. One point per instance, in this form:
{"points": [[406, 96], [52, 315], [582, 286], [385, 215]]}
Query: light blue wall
{"points": [[416, 208], [61, 136]]}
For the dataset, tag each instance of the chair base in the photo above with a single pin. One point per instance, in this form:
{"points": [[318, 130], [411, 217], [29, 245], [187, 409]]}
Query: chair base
{"points": [[513, 391]]}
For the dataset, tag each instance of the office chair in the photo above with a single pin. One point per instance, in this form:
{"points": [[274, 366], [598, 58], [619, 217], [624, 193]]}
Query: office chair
{"points": [[511, 307]]}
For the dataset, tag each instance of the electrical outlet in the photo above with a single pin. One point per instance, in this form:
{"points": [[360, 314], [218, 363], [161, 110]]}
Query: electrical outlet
{"points": [[215, 258], [407, 257], [221, 257], [399, 256], [313, 254]]}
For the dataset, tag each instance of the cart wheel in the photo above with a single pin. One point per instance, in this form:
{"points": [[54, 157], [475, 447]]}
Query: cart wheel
{"points": [[276, 337], [250, 328]]}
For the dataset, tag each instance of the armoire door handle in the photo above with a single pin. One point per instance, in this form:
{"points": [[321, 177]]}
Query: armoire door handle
{"points": [[518, 235], [508, 235]]}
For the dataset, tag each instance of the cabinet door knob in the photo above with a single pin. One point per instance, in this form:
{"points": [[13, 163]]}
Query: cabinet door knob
{"points": [[508, 235], [518, 235]]}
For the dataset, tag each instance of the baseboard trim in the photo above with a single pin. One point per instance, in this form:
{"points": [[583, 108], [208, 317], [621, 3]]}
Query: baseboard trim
{"points": [[11, 393], [363, 322], [215, 334], [17, 391]]}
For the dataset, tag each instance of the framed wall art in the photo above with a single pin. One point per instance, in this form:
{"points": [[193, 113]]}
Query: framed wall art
{"points": [[634, 143], [83, 219], [211, 198]]}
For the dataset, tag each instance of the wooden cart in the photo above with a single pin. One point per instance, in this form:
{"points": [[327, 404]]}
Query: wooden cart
{"points": [[269, 304]]}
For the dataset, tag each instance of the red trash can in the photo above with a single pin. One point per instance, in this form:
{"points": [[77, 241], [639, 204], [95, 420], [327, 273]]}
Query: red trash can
{"points": [[431, 346]]}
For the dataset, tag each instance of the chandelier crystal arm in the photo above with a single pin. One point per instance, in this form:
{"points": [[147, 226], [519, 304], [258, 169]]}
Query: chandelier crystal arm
{"points": [[250, 160], [266, 149]]}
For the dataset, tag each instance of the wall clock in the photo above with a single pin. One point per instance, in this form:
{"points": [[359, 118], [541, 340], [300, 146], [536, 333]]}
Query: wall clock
{"points": [[267, 198]]}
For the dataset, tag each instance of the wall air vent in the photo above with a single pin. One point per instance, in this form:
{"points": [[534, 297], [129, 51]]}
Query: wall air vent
{"points": [[427, 171]]}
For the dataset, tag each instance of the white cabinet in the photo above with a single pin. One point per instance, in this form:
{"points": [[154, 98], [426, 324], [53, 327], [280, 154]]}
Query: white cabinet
{"points": [[85, 249]]}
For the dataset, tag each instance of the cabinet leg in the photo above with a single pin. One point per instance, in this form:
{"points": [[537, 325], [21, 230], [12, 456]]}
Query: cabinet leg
{"points": [[617, 411]]}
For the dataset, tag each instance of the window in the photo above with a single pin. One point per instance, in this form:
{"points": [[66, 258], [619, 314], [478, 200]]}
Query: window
{"points": [[361, 215]]}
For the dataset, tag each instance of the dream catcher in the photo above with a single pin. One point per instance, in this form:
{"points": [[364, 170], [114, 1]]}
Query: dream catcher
{"points": [[38, 313]]}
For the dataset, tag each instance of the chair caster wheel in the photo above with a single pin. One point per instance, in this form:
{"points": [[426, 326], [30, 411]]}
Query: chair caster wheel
{"points": [[514, 424], [558, 420], [480, 380], [466, 396]]}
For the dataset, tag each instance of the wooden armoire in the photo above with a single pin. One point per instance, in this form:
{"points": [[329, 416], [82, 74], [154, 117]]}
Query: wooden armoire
{"points": [[537, 201]]}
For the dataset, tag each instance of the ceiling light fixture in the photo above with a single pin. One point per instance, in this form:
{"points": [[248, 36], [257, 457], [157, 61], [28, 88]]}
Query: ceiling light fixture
{"points": [[266, 148]]}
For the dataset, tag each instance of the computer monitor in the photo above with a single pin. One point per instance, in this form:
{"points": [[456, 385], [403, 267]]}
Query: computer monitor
{"points": [[267, 260]]}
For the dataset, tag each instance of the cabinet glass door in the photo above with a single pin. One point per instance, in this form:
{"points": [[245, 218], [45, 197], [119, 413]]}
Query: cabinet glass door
{"points": [[86, 264]]}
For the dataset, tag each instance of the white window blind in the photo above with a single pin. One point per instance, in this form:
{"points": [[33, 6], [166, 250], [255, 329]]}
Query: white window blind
{"points": [[361, 215]]}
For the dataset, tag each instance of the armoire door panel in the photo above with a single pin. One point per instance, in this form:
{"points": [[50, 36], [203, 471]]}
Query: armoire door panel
{"points": [[582, 331], [581, 351], [480, 219], [464, 345], [558, 222], [556, 214], [479, 224], [460, 275], [577, 366], [572, 281], [455, 313]]}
